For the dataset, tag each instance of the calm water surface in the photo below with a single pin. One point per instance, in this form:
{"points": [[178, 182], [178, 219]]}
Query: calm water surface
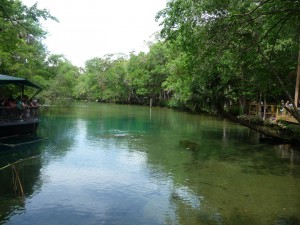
{"points": [[118, 164]]}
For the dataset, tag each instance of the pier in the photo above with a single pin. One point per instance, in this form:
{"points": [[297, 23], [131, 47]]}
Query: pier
{"points": [[272, 111]]}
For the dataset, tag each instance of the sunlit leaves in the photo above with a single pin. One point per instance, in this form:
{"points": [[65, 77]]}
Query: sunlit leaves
{"points": [[235, 47], [21, 50]]}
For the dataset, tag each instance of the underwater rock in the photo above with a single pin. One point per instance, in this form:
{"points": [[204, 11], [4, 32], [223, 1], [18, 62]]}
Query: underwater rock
{"points": [[190, 145]]}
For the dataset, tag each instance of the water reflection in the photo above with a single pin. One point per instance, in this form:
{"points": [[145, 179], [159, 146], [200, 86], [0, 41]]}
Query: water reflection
{"points": [[288, 152], [109, 164], [19, 176]]}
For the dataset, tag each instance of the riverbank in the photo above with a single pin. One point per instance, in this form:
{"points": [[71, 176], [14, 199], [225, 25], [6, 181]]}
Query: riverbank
{"points": [[278, 131], [275, 131]]}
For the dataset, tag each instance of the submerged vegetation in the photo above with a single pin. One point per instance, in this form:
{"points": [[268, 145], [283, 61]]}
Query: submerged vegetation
{"points": [[212, 55]]}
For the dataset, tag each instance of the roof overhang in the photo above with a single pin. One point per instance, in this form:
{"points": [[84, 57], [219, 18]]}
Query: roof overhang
{"points": [[5, 79]]}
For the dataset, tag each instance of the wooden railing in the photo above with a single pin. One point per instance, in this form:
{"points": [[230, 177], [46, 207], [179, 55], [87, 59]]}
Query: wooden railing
{"points": [[272, 111], [255, 110], [283, 114]]}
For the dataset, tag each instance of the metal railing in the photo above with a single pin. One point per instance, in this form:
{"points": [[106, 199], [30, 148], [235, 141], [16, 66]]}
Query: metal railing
{"points": [[13, 113]]}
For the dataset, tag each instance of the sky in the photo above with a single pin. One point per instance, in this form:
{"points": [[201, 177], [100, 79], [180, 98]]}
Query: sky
{"points": [[93, 28]]}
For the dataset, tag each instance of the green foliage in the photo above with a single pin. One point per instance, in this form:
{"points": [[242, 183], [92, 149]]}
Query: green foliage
{"points": [[105, 79], [295, 130], [237, 49], [63, 80], [21, 50]]}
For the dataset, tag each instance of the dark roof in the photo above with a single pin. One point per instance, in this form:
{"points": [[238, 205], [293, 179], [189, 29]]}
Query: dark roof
{"points": [[5, 79]]}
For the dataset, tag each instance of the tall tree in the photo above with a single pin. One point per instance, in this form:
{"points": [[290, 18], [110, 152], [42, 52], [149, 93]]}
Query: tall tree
{"points": [[21, 49], [235, 44], [63, 79]]}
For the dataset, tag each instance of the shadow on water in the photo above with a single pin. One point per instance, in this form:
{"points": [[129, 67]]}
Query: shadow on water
{"points": [[20, 167], [244, 150], [59, 131], [225, 214], [15, 148], [238, 177], [280, 160], [291, 220]]}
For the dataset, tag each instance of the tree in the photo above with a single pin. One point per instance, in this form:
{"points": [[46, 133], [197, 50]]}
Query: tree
{"points": [[63, 79], [21, 49], [235, 45], [106, 78], [178, 82], [156, 67], [137, 78]]}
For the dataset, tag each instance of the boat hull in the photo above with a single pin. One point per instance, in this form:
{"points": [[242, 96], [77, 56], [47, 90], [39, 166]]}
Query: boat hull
{"points": [[13, 128]]}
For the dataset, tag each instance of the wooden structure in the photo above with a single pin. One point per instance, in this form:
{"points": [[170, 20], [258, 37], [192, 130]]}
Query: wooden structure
{"points": [[257, 109], [11, 124], [18, 120], [272, 111], [283, 114]]}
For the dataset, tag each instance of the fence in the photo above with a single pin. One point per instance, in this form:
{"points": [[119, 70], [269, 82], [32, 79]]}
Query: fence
{"points": [[272, 111], [13, 113], [256, 109]]}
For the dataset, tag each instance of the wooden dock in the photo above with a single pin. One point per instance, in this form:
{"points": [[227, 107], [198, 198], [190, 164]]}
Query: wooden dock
{"points": [[285, 115], [254, 109], [272, 111]]}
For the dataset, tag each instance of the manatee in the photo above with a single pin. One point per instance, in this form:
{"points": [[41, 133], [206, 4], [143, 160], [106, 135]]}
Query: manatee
{"points": [[190, 145]]}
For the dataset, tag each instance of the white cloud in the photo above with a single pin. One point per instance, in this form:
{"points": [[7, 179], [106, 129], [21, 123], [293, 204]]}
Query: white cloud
{"points": [[97, 27]]}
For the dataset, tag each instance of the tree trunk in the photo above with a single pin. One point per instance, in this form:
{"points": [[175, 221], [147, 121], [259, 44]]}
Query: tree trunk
{"points": [[265, 107], [297, 79], [260, 129], [243, 104], [259, 105]]}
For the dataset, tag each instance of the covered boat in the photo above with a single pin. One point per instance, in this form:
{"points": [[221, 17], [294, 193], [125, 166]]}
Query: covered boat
{"points": [[18, 115]]}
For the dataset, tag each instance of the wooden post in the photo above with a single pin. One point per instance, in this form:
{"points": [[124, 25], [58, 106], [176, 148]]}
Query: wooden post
{"points": [[150, 102], [273, 113], [259, 103], [265, 107]]}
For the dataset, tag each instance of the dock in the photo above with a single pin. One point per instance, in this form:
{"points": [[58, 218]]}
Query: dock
{"points": [[272, 111]]}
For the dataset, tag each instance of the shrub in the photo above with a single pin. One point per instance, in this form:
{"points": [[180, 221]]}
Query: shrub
{"points": [[253, 119]]}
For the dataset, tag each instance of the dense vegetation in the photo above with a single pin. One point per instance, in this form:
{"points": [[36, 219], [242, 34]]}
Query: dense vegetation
{"points": [[212, 55]]}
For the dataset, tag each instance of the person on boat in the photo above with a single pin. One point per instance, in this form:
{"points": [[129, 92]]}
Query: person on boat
{"points": [[10, 108], [20, 107], [26, 104], [12, 103], [2, 110], [34, 105], [19, 103]]}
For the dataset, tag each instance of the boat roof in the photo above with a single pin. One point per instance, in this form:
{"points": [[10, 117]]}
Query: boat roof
{"points": [[5, 79]]}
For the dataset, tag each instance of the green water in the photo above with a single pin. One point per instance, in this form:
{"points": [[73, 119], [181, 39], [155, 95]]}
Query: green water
{"points": [[117, 164]]}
